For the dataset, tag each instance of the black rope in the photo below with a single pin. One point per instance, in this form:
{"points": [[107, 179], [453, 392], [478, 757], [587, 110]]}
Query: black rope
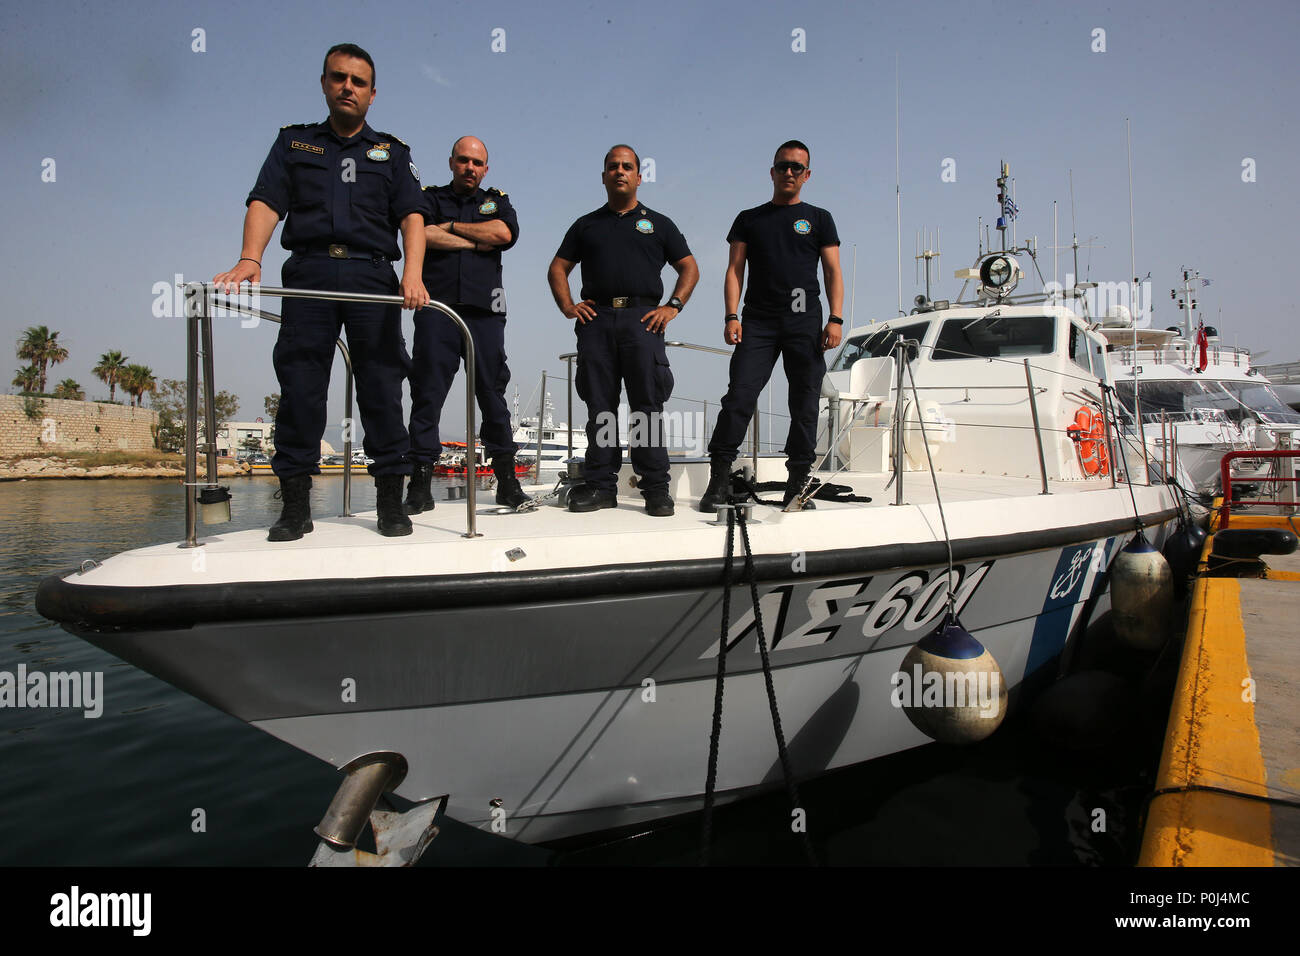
{"points": [[821, 490], [711, 779], [1203, 788], [1128, 478], [791, 790]]}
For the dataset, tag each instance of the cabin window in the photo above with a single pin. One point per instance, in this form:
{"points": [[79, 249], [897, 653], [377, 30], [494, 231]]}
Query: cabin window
{"points": [[879, 344], [996, 336], [1079, 347]]}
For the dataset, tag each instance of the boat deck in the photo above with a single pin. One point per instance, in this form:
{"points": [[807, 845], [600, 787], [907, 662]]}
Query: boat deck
{"points": [[976, 505], [1241, 637]]}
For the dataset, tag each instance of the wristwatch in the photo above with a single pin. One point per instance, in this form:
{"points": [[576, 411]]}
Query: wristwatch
{"points": [[676, 303], [835, 320]]}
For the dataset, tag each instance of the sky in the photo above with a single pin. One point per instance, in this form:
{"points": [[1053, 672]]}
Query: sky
{"points": [[137, 130]]}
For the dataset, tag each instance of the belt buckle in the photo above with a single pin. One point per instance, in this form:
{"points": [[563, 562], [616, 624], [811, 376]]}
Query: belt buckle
{"points": [[338, 251], [620, 302]]}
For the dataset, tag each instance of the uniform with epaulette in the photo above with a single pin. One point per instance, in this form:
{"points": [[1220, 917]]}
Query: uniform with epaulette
{"points": [[468, 280], [342, 201]]}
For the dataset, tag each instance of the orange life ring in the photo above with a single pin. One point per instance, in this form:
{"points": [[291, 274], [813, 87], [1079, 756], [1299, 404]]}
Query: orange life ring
{"points": [[1089, 435]]}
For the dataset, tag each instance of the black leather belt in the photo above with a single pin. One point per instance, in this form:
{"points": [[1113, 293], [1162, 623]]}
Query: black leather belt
{"points": [[337, 250], [626, 301]]}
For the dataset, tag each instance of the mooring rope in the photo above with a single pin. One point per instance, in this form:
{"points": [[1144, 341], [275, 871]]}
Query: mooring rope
{"points": [[792, 791]]}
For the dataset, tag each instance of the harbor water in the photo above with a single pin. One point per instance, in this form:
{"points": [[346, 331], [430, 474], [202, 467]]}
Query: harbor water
{"points": [[159, 778]]}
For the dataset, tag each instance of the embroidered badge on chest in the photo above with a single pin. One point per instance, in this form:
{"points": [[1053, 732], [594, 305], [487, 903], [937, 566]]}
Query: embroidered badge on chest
{"points": [[645, 226], [488, 208], [803, 227], [378, 154]]}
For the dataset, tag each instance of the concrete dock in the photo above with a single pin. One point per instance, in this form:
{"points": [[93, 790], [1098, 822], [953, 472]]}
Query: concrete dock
{"points": [[1228, 789]]}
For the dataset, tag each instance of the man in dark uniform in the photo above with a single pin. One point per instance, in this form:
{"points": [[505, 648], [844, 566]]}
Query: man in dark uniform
{"points": [[782, 240], [623, 247], [344, 189], [467, 229]]}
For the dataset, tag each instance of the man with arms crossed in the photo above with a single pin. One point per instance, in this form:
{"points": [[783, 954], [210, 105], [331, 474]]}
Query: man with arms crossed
{"points": [[467, 229]]}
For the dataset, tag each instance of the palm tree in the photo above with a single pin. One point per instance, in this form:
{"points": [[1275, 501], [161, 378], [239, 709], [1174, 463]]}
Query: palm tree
{"points": [[138, 379], [27, 378], [41, 347], [70, 389], [109, 371]]}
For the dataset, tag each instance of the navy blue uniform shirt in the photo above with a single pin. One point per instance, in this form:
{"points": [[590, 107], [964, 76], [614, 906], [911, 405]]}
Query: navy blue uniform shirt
{"points": [[353, 191], [623, 255], [783, 246], [464, 276]]}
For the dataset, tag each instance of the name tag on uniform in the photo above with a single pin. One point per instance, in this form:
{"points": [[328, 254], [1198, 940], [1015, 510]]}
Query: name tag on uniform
{"points": [[319, 150]]}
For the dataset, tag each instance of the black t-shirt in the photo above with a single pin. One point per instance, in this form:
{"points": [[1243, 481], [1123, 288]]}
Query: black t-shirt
{"points": [[623, 255], [783, 246]]}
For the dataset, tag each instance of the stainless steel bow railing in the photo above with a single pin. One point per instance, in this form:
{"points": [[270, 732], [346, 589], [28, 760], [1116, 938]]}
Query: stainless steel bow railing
{"points": [[198, 328]]}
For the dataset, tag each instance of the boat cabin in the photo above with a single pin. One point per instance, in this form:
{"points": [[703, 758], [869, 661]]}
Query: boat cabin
{"points": [[969, 393]]}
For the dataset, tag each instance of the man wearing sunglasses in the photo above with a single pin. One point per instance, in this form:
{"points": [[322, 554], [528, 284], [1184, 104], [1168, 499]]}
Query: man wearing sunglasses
{"points": [[782, 241]]}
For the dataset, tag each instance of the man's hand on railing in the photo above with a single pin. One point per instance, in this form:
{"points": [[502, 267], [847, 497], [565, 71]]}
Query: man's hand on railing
{"points": [[245, 270], [414, 295]]}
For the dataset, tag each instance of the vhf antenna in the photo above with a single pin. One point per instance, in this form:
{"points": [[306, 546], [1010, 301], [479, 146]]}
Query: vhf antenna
{"points": [[925, 251]]}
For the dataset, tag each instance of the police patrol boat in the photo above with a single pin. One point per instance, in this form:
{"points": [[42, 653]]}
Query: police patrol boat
{"points": [[1196, 397], [547, 674]]}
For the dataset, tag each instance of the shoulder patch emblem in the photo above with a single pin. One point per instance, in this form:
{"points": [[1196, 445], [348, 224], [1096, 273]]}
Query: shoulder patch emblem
{"points": [[378, 154], [319, 150], [414, 172], [488, 208], [802, 226], [645, 226]]}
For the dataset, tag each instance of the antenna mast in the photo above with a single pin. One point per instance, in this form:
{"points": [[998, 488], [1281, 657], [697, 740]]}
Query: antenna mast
{"points": [[898, 189]]}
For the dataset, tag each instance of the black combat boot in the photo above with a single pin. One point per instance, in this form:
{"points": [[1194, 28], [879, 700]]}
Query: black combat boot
{"points": [[393, 522], [419, 493], [794, 485], [719, 486], [295, 516], [509, 492]]}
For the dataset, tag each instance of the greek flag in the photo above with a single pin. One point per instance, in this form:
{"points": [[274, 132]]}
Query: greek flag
{"points": [[1010, 209]]}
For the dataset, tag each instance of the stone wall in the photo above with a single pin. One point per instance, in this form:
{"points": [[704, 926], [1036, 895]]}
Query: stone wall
{"points": [[61, 426]]}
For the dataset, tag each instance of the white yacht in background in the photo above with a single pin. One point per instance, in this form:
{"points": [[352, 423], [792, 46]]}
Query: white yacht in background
{"points": [[1196, 393], [554, 436]]}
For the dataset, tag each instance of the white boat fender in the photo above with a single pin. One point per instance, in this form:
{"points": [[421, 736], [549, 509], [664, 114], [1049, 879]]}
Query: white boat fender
{"points": [[951, 687], [1141, 594]]}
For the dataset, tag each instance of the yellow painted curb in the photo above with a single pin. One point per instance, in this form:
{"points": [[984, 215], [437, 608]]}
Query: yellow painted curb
{"points": [[1211, 740]]}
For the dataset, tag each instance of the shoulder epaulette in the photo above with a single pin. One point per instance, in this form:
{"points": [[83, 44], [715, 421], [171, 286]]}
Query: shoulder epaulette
{"points": [[299, 126], [390, 136], [499, 192]]}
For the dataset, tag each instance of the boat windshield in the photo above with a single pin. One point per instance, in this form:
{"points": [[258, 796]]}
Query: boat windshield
{"points": [[996, 336], [879, 344], [1256, 399], [1204, 399]]}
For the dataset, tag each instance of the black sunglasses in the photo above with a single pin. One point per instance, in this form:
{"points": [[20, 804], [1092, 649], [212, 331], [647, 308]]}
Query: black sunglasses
{"points": [[788, 167]]}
